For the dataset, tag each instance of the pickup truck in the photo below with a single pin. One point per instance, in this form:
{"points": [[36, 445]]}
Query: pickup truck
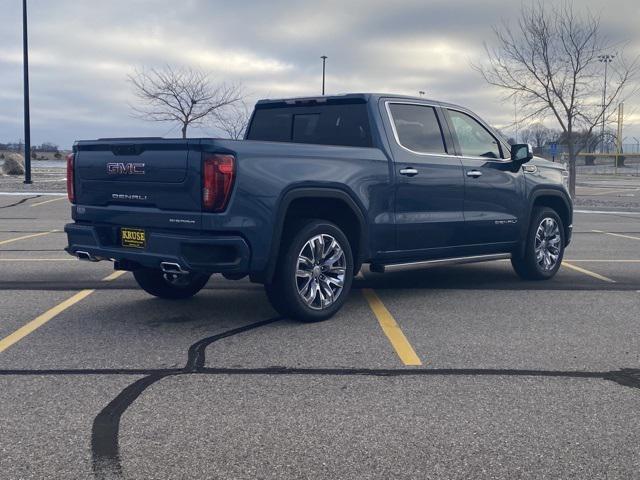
{"points": [[318, 187]]}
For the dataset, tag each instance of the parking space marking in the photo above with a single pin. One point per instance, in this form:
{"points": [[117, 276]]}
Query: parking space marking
{"points": [[38, 259], [113, 276], [607, 212], [617, 235], [391, 329], [603, 260], [588, 272], [25, 237], [609, 191], [40, 320], [47, 201]]}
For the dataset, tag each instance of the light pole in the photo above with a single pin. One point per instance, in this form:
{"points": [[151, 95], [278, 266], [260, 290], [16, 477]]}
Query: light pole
{"points": [[324, 61], [27, 122], [606, 58], [421, 93], [515, 116]]}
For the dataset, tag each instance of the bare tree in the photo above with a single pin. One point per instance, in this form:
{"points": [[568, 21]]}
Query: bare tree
{"points": [[184, 96], [536, 134], [549, 61], [233, 120]]}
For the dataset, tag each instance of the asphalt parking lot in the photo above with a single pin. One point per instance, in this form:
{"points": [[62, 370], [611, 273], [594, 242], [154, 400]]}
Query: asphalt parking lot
{"points": [[457, 372]]}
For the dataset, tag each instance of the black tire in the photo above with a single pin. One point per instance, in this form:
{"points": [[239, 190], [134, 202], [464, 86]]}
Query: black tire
{"points": [[283, 292], [155, 282], [527, 266]]}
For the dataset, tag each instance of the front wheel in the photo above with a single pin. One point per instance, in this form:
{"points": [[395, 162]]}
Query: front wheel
{"points": [[544, 248], [170, 285], [314, 272]]}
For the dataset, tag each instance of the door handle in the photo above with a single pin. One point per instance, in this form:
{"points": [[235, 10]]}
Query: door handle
{"points": [[409, 171], [474, 173]]}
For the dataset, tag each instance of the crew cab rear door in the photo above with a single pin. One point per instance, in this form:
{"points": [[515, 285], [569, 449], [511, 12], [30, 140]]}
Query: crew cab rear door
{"points": [[429, 183]]}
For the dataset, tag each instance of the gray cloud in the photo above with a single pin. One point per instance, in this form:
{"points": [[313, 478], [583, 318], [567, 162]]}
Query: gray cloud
{"points": [[81, 53]]}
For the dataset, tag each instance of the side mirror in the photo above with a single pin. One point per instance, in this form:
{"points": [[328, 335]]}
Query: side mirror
{"points": [[521, 153]]}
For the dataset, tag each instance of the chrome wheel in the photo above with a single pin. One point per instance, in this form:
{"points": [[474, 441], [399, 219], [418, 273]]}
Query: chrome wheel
{"points": [[320, 271], [548, 244]]}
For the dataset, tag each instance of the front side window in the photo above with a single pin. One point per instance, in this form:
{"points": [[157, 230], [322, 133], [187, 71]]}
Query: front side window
{"points": [[417, 127], [474, 139]]}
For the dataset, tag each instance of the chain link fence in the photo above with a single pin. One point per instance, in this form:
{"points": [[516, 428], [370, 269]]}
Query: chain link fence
{"points": [[597, 163]]}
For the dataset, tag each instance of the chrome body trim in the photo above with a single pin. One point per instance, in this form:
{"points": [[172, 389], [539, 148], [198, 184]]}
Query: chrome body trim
{"points": [[395, 131], [439, 262]]}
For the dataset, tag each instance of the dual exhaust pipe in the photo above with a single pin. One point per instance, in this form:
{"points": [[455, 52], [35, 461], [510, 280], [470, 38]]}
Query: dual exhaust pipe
{"points": [[172, 268]]}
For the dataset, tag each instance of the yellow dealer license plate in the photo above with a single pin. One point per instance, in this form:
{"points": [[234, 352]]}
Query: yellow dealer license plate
{"points": [[133, 237]]}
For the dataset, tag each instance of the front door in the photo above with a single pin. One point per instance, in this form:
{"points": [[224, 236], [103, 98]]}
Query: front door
{"points": [[494, 193], [429, 197]]}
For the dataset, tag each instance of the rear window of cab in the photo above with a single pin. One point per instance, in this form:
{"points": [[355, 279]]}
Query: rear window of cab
{"points": [[344, 124]]}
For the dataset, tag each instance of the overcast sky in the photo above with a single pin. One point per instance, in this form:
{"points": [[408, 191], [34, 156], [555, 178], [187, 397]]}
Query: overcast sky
{"points": [[82, 51]]}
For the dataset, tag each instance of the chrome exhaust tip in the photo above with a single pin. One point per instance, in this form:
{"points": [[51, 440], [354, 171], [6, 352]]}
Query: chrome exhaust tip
{"points": [[173, 268], [86, 256]]}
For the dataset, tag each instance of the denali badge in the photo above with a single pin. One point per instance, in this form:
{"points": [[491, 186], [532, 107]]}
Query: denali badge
{"points": [[126, 196], [125, 168]]}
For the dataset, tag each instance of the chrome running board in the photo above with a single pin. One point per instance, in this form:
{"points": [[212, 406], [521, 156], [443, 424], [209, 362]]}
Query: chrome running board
{"points": [[396, 267]]}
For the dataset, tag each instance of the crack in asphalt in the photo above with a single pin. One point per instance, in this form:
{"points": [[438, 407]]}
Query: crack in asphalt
{"points": [[629, 377], [20, 202], [105, 449], [106, 462]]}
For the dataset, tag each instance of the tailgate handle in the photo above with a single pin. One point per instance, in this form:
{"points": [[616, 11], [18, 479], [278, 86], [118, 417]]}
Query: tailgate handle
{"points": [[127, 150]]}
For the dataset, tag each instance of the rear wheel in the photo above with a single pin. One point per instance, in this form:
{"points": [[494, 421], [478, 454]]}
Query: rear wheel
{"points": [[545, 246], [170, 285], [314, 272]]}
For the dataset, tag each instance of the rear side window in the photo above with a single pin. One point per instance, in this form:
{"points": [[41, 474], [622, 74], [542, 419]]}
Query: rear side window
{"points": [[344, 124], [417, 128]]}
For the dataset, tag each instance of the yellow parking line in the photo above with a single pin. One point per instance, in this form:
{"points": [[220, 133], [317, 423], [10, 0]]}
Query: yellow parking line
{"points": [[617, 235], [33, 235], [601, 260], [114, 275], [42, 319], [610, 191], [391, 329], [51, 313], [588, 272], [38, 259], [48, 201]]}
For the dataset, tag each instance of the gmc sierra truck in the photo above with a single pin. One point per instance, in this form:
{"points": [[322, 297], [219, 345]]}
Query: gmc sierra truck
{"points": [[318, 187]]}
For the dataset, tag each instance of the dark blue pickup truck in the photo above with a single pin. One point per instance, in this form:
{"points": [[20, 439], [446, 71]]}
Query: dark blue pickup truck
{"points": [[318, 187]]}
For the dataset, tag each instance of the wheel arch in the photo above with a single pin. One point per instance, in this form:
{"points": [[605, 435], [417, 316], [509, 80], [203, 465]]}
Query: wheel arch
{"points": [[349, 217], [556, 200]]}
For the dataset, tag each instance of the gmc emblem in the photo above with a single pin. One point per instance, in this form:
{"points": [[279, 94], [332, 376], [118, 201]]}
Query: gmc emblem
{"points": [[125, 168]]}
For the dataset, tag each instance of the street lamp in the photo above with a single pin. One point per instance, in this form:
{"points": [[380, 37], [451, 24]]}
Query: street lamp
{"points": [[421, 93], [27, 122], [324, 61], [606, 58]]}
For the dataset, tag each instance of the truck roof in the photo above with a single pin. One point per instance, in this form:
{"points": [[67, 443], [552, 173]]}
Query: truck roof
{"points": [[347, 97]]}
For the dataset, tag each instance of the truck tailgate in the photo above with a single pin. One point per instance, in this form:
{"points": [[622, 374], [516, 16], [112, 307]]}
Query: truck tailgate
{"points": [[153, 173]]}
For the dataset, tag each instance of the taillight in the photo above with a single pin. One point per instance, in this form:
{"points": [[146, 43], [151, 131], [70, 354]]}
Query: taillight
{"points": [[218, 171], [70, 189]]}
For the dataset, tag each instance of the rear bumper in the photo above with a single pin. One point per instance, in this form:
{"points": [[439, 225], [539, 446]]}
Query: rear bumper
{"points": [[196, 253]]}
